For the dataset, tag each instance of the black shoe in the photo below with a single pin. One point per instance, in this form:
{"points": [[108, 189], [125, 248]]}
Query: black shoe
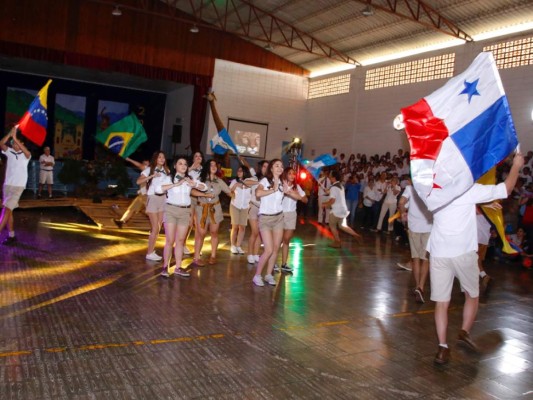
{"points": [[419, 294], [443, 356], [118, 223], [9, 240], [464, 339], [38, 196]]}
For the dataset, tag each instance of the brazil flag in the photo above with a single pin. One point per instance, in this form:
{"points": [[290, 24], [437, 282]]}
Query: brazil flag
{"points": [[124, 136]]}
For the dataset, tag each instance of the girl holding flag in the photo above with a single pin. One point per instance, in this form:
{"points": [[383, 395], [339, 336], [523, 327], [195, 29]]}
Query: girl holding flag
{"points": [[153, 176]]}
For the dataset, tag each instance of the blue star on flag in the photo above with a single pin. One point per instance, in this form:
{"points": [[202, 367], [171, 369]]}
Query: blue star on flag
{"points": [[471, 89]]}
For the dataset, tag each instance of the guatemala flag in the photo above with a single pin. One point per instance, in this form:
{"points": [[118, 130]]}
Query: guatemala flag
{"points": [[459, 132], [222, 142], [314, 167], [34, 122]]}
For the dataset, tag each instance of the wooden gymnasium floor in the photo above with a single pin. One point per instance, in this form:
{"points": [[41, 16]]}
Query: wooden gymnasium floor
{"points": [[83, 315]]}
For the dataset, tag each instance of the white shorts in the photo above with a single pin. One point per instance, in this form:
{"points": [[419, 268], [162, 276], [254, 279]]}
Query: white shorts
{"points": [[46, 177], [442, 272]]}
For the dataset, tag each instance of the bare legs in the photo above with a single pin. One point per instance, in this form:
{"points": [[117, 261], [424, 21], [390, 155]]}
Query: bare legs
{"points": [[272, 241], [156, 219], [287, 236], [420, 272]]}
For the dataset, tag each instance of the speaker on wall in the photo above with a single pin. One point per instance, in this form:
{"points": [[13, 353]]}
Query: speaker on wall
{"points": [[176, 134]]}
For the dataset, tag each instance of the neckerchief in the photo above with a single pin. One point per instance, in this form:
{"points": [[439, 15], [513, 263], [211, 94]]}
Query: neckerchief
{"points": [[16, 154]]}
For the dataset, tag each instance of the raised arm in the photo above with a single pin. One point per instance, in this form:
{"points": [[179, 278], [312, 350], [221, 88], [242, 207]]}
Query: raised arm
{"points": [[3, 142], [21, 145], [136, 164], [510, 181]]}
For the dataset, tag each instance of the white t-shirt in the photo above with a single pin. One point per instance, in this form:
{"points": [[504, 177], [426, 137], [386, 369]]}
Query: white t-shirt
{"points": [[338, 208], [242, 197], [16, 169], [157, 181], [46, 159], [323, 184], [272, 203], [454, 229], [370, 196], [419, 218], [289, 204]]}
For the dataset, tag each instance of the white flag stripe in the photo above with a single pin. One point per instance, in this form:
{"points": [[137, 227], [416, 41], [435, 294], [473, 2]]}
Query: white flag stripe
{"points": [[445, 101]]}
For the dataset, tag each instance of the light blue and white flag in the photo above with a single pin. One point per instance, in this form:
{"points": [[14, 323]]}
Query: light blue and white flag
{"points": [[459, 132], [314, 167], [222, 142]]}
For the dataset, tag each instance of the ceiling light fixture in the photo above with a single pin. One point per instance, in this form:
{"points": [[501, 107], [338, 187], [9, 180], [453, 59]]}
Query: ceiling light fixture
{"points": [[194, 29], [368, 11], [117, 12]]}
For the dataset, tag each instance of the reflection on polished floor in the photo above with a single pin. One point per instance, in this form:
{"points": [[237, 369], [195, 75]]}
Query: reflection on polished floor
{"points": [[84, 316]]}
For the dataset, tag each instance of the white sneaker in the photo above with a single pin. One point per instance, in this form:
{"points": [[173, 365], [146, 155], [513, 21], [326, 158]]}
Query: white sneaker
{"points": [[276, 268], [251, 259], [234, 250], [258, 281], [405, 267], [240, 250], [256, 258], [153, 257], [270, 280], [186, 251]]}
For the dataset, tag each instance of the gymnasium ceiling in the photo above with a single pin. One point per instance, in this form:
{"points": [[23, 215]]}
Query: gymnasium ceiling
{"points": [[324, 34]]}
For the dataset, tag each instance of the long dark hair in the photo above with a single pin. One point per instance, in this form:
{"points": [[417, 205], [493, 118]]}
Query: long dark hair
{"points": [[204, 175], [269, 175], [245, 173], [153, 164], [285, 175], [191, 161], [260, 167]]}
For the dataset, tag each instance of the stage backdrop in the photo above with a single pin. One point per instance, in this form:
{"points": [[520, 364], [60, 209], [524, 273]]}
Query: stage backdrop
{"points": [[17, 102], [69, 126]]}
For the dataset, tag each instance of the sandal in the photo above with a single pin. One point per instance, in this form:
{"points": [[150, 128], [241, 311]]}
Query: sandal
{"points": [[198, 262]]}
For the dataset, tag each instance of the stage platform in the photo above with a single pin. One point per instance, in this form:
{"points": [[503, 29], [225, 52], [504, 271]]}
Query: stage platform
{"points": [[83, 315]]}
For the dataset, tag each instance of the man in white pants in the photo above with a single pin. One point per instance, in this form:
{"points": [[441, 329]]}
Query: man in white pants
{"points": [[46, 172]]}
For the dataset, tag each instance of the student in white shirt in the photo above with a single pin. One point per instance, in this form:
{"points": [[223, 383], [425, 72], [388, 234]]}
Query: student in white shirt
{"points": [[293, 195], [254, 240], [392, 190], [419, 222], [323, 192], [195, 169], [153, 176], [239, 206], [16, 178], [209, 212], [178, 214], [270, 191], [339, 211], [452, 247], [46, 172]]}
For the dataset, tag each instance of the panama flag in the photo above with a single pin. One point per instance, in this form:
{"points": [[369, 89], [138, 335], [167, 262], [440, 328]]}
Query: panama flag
{"points": [[34, 122], [314, 167], [459, 132], [222, 142], [124, 136]]}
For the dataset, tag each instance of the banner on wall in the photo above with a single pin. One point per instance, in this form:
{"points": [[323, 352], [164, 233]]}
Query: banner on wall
{"points": [[110, 112], [17, 102], [69, 126]]}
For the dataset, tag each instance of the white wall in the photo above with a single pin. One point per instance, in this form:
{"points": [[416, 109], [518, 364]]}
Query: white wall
{"points": [[260, 95], [361, 121]]}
